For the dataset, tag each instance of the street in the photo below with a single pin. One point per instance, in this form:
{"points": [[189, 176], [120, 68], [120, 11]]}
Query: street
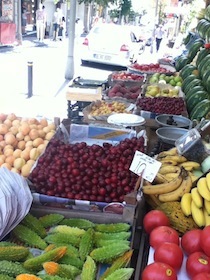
{"points": [[48, 61]]}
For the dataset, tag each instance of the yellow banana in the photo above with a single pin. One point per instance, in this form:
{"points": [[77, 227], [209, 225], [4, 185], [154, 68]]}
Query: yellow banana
{"points": [[171, 152], [177, 158], [165, 161], [159, 179], [193, 177], [177, 194], [196, 197], [186, 204], [207, 217], [198, 215], [171, 176], [165, 169], [164, 187], [190, 165], [207, 206], [208, 180], [203, 189]]}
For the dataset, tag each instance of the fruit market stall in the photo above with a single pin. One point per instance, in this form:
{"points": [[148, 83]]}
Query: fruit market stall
{"points": [[128, 172]]}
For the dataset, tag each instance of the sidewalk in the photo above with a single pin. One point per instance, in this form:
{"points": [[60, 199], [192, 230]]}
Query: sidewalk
{"points": [[49, 84], [48, 78]]}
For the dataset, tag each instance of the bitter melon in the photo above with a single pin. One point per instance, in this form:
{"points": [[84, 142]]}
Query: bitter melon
{"points": [[52, 277], [62, 270], [105, 242], [6, 277], [177, 219], [52, 255], [108, 236], [112, 228], [121, 274], [89, 269], [13, 253], [121, 262], [86, 244], [50, 220], [7, 244], [34, 224], [80, 223], [75, 261], [108, 253], [12, 268], [63, 238], [68, 230], [71, 250], [29, 237], [27, 277]]}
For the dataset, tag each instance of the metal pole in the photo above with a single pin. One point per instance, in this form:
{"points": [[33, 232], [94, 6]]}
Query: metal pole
{"points": [[69, 74], [30, 79]]}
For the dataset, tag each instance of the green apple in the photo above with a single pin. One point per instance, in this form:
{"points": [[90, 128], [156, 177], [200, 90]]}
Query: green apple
{"points": [[167, 79], [179, 84], [153, 80], [172, 82], [177, 79], [162, 76]]}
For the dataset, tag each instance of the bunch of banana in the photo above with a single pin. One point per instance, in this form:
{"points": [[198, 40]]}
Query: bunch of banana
{"points": [[197, 202], [174, 178]]}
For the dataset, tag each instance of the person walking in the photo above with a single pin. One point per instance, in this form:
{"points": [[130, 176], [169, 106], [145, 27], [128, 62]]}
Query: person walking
{"points": [[159, 33], [23, 19], [40, 23], [57, 19]]}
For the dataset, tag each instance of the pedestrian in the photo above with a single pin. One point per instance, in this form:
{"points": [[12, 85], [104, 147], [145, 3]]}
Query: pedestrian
{"points": [[56, 23], [159, 33], [40, 23], [23, 19], [62, 29]]}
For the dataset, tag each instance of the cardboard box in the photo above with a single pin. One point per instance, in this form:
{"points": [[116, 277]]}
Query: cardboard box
{"points": [[98, 135]]}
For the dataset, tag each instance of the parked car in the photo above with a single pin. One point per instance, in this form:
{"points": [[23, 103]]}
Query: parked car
{"points": [[111, 44]]}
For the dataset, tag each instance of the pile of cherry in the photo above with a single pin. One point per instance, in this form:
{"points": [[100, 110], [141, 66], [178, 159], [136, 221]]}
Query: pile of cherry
{"points": [[82, 172]]}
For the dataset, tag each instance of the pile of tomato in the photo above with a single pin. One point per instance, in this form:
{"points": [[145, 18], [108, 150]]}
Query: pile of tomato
{"points": [[170, 250]]}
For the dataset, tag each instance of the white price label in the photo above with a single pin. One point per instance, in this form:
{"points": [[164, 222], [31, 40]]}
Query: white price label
{"points": [[145, 166]]}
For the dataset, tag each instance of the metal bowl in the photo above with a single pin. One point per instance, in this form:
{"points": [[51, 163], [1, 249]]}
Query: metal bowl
{"points": [[177, 121], [170, 134]]}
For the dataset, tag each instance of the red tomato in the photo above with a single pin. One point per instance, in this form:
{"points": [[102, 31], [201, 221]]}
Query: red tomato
{"points": [[197, 262], [205, 240], [163, 234], [153, 219], [202, 276], [190, 241], [158, 271], [169, 253]]}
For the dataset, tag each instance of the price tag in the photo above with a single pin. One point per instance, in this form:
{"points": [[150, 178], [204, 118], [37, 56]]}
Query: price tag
{"points": [[145, 166]]}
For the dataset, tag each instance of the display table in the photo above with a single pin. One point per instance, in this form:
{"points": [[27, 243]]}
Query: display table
{"points": [[7, 33], [79, 97]]}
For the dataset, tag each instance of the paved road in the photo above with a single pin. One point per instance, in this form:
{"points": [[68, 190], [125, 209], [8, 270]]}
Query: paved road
{"points": [[49, 84]]}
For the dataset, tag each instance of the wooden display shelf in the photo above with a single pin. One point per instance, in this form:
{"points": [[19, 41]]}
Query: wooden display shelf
{"points": [[84, 94]]}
